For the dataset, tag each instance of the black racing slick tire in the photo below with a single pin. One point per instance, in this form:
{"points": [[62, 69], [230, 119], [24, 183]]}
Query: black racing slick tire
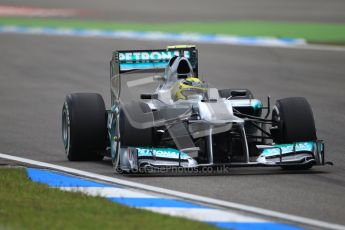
{"points": [[84, 126], [229, 93], [131, 136], [294, 121]]}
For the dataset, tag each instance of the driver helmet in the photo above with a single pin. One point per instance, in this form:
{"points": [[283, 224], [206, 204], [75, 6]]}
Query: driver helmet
{"points": [[190, 87]]}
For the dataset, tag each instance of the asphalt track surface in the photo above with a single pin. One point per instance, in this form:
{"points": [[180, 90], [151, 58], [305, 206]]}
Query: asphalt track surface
{"points": [[36, 73], [202, 10]]}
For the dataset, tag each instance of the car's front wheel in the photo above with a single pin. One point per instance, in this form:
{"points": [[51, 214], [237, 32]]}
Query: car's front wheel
{"points": [[84, 126], [294, 122]]}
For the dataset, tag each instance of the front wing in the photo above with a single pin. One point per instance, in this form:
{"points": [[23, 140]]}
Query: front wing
{"points": [[300, 153]]}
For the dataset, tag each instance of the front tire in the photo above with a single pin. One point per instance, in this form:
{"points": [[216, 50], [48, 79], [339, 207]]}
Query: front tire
{"points": [[294, 119], [294, 123], [84, 126]]}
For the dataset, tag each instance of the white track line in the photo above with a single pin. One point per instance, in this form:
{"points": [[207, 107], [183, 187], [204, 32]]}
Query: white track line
{"points": [[187, 196], [206, 215], [107, 192], [201, 213]]}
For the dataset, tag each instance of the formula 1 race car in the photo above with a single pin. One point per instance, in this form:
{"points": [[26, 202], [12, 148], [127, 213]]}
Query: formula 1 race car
{"points": [[163, 116]]}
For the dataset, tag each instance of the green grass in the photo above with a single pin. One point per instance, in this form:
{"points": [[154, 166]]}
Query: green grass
{"points": [[28, 205], [312, 32]]}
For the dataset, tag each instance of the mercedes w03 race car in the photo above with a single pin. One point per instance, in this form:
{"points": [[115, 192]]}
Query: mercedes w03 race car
{"points": [[163, 115]]}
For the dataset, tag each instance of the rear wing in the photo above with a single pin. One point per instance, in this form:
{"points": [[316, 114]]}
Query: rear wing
{"points": [[155, 59]]}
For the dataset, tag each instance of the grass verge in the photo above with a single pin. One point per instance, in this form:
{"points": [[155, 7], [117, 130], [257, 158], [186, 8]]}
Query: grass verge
{"points": [[312, 32], [28, 205]]}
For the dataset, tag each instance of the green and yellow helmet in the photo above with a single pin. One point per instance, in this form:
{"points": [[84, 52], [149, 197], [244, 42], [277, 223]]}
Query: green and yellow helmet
{"points": [[189, 87]]}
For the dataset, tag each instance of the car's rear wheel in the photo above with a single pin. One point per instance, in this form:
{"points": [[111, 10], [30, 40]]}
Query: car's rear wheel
{"points": [[131, 136], [294, 122], [125, 136], [84, 126], [236, 93]]}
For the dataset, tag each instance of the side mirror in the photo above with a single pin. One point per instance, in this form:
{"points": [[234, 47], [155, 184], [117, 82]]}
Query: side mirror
{"points": [[149, 96]]}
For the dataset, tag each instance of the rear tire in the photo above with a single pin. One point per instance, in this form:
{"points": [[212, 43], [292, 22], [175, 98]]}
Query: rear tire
{"points": [[128, 136], [84, 126], [131, 136], [226, 93]]}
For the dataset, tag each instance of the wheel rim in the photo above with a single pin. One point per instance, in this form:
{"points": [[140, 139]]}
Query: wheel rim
{"points": [[278, 124], [65, 130], [116, 144], [275, 114]]}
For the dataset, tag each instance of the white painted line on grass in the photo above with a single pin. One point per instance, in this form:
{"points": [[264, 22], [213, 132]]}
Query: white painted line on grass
{"points": [[187, 196]]}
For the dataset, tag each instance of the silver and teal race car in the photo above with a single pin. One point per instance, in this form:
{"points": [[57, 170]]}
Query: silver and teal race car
{"points": [[164, 116]]}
